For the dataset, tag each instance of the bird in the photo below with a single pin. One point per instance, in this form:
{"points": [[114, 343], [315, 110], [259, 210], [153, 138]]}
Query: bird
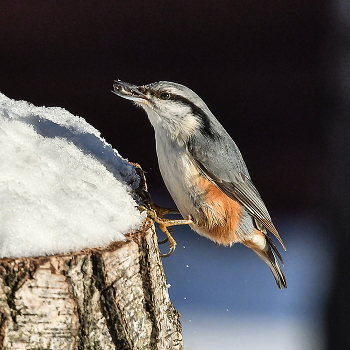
{"points": [[204, 172]]}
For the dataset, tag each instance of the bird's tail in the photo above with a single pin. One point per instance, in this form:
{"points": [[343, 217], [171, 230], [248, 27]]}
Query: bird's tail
{"points": [[268, 255]]}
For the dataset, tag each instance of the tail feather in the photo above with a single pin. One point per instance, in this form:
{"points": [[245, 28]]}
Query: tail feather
{"points": [[269, 257], [273, 247]]}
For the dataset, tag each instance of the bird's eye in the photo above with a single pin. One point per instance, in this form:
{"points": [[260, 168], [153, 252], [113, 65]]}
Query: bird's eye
{"points": [[164, 96]]}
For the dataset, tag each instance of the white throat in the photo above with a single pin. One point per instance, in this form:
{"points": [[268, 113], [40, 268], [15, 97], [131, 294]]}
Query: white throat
{"points": [[175, 127]]}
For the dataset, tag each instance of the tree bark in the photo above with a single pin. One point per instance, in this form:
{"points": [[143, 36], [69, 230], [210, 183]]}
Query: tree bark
{"points": [[111, 298]]}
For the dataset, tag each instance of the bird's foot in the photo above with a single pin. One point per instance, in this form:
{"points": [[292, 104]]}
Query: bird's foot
{"points": [[165, 226], [160, 211], [148, 202]]}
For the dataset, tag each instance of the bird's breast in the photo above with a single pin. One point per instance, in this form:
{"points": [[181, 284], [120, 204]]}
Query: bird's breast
{"points": [[178, 172], [214, 214]]}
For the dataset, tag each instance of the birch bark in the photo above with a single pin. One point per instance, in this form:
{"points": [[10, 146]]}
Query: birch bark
{"points": [[111, 298]]}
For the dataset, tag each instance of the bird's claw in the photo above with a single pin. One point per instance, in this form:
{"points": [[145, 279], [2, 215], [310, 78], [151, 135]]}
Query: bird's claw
{"points": [[171, 251], [163, 241], [164, 225]]}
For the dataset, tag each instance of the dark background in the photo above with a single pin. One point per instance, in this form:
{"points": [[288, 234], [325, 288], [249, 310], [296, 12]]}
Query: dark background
{"points": [[264, 68], [257, 65]]}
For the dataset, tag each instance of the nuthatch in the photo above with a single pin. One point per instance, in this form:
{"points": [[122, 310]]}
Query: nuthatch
{"points": [[204, 172]]}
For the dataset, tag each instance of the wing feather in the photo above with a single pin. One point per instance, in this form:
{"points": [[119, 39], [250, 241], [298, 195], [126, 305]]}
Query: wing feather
{"points": [[222, 163]]}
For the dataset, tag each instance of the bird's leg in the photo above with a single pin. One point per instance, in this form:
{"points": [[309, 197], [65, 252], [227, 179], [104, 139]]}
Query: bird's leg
{"points": [[148, 201], [164, 225], [156, 212], [161, 211]]}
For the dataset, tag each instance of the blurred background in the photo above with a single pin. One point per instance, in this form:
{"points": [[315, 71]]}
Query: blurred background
{"points": [[276, 75]]}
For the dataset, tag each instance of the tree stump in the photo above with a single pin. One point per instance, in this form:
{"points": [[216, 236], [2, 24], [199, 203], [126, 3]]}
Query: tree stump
{"points": [[106, 298]]}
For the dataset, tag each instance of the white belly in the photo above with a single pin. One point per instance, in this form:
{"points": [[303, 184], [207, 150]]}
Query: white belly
{"points": [[179, 174]]}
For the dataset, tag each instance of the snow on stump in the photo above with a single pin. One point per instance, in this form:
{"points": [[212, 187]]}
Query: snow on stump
{"points": [[79, 264]]}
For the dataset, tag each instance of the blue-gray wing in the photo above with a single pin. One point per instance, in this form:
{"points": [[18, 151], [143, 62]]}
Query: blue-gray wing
{"points": [[220, 161]]}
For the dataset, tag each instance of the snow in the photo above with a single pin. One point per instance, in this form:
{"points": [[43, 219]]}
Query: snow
{"points": [[62, 187]]}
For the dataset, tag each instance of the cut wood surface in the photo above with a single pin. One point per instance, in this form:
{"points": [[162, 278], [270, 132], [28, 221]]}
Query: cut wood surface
{"points": [[106, 298]]}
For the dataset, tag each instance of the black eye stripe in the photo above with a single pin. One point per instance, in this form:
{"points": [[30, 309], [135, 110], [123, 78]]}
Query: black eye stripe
{"points": [[206, 126], [205, 121]]}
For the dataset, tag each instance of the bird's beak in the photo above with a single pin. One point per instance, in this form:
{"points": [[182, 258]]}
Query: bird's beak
{"points": [[128, 91]]}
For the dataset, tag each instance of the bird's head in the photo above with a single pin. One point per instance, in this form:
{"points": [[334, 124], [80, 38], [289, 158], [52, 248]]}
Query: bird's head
{"points": [[171, 108]]}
